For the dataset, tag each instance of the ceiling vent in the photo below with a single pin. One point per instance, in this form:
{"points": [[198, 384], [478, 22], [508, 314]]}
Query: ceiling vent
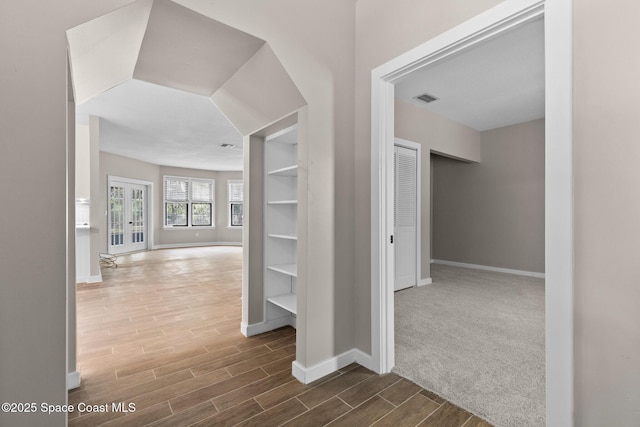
{"points": [[228, 146], [425, 97]]}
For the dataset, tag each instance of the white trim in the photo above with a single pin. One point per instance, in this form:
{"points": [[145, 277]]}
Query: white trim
{"points": [[187, 228], [309, 375], [558, 181], [94, 279], [489, 268], [89, 279], [280, 133], [73, 380], [128, 180], [559, 212], [418, 148], [260, 328], [425, 282], [195, 245]]}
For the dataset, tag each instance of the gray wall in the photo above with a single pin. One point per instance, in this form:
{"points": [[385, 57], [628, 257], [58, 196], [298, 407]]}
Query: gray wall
{"points": [[492, 213], [606, 213]]}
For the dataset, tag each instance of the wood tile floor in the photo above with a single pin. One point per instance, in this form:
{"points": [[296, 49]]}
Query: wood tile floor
{"points": [[161, 332]]}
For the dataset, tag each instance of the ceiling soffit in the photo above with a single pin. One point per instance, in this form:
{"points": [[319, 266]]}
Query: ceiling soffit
{"points": [[260, 93], [163, 44], [185, 50], [103, 52]]}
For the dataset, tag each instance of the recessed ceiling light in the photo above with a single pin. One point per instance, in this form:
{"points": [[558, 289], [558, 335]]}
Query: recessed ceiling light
{"points": [[425, 97]]}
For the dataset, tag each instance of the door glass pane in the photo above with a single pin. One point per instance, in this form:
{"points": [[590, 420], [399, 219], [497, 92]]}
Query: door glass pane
{"points": [[137, 216], [116, 221]]}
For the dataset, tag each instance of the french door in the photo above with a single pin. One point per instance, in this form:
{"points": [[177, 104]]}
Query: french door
{"points": [[127, 217]]}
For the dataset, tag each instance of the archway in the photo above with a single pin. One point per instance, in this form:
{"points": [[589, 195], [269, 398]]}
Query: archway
{"points": [[161, 42]]}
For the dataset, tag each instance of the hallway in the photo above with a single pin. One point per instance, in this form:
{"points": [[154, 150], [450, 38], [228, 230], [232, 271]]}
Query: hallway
{"points": [[162, 332]]}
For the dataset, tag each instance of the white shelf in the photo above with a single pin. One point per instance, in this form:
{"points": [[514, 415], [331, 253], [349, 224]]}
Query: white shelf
{"points": [[285, 136], [280, 225], [287, 301], [283, 202], [288, 269], [284, 236], [287, 171]]}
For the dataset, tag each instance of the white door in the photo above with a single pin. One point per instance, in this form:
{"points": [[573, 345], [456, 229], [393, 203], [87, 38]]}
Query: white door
{"points": [[405, 217], [127, 217]]}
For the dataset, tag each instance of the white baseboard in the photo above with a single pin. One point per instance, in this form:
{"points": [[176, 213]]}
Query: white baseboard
{"points": [[195, 245], [261, 328], [313, 373], [425, 282], [95, 279], [89, 279], [73, 380], [489, 268]]}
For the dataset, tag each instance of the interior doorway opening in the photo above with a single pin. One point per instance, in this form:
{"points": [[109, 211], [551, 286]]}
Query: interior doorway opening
{"points": [[558, 186], [131, 43]]}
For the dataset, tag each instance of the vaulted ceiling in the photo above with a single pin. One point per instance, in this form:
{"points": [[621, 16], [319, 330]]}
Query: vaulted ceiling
{"points": [[171, 85]]}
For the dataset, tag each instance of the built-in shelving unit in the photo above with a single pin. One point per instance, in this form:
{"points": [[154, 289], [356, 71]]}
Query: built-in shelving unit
{"points": [[281, 218]]}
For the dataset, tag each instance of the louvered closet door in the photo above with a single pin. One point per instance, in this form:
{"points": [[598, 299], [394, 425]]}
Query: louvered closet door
{"points": [[405, 204]]}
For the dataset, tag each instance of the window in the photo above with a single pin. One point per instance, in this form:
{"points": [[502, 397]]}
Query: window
{"points": [[236, 211], [188, 202]]}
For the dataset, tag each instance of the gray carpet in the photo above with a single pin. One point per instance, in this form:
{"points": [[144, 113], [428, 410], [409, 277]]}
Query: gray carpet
{"points": [[476, 338]]}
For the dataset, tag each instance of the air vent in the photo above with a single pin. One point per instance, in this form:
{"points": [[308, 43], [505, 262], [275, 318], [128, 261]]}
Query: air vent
{"points": [[228, 146], [425, 97]]}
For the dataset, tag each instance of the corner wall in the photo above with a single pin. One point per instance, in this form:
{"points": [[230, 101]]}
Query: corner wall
{"points": [[492, 213]]}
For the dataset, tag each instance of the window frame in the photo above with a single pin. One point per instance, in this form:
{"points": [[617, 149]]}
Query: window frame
{"points": [[231, 202], [190, 202]]}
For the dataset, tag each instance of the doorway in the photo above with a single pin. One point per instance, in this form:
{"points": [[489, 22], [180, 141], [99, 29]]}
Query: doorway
{"points": [[128, 215], [558, 185]]}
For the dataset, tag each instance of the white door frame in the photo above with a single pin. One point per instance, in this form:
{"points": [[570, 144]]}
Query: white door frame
{"points": [[418, 148], [149, 207], [558, 184]]}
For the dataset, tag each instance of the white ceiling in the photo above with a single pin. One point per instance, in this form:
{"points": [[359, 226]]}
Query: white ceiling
{"points": [[148, 71], [117, 58], [164, 126], [185, 50], [497, 83]]}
